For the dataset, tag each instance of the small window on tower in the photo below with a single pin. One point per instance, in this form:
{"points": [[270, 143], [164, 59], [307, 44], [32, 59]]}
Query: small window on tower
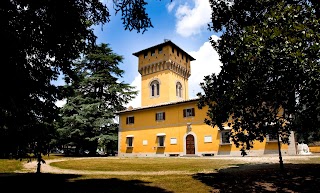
{"points": [[155, 88], [153, 52], [146, 55], [178, 89], [160, 50], [172, 50]]}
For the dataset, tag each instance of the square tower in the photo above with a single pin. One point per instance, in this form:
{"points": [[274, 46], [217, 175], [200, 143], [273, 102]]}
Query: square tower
{"points": [[164, 69]]}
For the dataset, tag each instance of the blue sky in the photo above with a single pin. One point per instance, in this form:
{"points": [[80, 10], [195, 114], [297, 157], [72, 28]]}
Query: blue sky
{"points": [[184, 22]]}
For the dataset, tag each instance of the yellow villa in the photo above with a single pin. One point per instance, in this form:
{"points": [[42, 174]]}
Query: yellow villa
{"points": [[168, 123]]}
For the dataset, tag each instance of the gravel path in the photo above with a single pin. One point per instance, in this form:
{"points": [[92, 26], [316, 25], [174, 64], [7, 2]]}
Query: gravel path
{"points": [[30, 167]]}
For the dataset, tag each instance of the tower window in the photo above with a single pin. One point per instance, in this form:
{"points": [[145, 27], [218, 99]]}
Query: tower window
{"points": [[172, 50], [155, 88], [177, 53], [178, 89], [153, 52], [146, 55], [160, 50]]}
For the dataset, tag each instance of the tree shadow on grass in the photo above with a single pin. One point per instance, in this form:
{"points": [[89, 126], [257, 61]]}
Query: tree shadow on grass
{"points": [[66, 183], [264, 178]]}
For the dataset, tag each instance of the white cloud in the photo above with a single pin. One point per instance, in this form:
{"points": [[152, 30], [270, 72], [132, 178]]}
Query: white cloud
{"points": [[191, 21], [207, 62], [170, 6], [61, 103], [136, 102]]}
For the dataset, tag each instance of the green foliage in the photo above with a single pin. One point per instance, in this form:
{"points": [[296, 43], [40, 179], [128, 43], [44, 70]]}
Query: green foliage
{"points": [[88, 116], [45, 37], [270, 79]]}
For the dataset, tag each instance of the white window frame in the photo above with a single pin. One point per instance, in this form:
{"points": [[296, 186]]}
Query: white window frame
{"points": [[145, 142], [173, 141], [208, 138]]}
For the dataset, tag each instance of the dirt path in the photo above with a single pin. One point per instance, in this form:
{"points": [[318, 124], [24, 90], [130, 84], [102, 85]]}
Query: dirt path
{"points": [[30, 167]]}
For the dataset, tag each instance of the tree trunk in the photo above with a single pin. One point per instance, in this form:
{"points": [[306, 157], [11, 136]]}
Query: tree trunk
{"points": [[280, 155], [39, 163]]}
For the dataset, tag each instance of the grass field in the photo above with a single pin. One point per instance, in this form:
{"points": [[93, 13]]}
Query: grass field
{"points": [[203, 176], [146, 164], [10, 165]]}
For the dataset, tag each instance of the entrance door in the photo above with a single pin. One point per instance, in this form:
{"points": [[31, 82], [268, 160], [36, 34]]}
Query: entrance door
{"points": [[190, 144]]}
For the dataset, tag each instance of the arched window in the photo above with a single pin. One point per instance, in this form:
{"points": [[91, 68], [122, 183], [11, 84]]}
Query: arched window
{"points": [[178, 89], [155, 88]]}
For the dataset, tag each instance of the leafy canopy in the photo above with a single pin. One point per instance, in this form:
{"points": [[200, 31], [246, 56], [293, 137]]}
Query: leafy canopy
{"points": [[44, 38], [270, 78]]}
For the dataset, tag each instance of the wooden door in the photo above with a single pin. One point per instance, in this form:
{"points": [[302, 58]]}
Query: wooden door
{"points": [[190, 144]]}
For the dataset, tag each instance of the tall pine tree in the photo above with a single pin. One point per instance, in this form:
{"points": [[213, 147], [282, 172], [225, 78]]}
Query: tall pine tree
{"points": [[88, 116]]}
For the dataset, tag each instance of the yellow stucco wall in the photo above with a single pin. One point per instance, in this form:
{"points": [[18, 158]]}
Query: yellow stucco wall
{"points": [[314, 149], [146, 128], [168, 81], [169, 68]]}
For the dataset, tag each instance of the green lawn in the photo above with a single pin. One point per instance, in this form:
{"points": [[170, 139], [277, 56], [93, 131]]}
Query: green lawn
{"points": [[207, 175], [10, 165], [145, 164]]}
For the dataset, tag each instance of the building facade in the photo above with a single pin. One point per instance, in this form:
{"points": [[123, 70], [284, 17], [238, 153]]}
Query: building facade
{"points": [[168, 123]]}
